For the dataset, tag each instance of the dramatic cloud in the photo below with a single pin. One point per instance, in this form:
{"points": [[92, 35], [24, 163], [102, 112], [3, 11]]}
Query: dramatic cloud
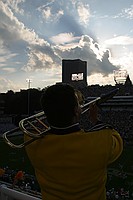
{"points": [[126, 63], [36, 35], [84, 13], [6, 85], [128, 12], [120, 40], [63, 38], [92, 79], [96, 57], [12, 30], [14, 4], [49, 14]]}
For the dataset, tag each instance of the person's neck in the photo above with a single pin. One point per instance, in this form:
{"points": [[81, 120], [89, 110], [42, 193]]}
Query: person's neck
{"points": [[65, 127]]}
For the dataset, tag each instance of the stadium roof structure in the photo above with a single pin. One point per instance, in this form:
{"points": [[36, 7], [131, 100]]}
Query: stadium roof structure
{"points": [[117, 102]]}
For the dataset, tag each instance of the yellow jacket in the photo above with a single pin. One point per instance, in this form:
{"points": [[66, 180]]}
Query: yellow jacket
{"points": [[74, 166]]}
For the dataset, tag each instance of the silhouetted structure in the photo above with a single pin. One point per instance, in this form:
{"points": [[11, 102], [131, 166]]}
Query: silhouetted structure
{"points": [[128, 81], [74, 71], [128, 86]]}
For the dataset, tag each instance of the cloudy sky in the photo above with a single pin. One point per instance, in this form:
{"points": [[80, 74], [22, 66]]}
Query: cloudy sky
{"points": [[36, 35]]}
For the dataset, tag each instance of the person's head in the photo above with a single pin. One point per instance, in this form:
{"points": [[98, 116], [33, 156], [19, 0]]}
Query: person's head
{"points": [[60, 104]]}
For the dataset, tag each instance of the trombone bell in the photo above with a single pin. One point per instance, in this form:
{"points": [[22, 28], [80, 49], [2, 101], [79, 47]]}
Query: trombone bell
{"points": [[34, 126]]}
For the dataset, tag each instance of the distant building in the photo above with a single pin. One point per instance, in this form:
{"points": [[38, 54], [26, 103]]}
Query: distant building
{"points": [[74, 72]]}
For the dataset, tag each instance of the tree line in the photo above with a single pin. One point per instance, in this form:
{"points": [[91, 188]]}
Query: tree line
{"points": [[27, 102]]}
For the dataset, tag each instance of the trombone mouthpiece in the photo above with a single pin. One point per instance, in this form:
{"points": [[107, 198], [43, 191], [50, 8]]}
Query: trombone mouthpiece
{"points": [[99, 100], [105, 97]]}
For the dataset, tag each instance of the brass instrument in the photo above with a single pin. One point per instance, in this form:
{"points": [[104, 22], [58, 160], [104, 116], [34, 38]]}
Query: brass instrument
{"points": [[36, 126]]}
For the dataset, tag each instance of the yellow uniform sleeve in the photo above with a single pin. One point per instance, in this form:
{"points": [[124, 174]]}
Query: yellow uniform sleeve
{"points": [[117, 146]]}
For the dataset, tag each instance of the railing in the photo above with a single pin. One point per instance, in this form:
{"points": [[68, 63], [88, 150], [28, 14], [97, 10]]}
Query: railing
{"points": [[11, 194]]}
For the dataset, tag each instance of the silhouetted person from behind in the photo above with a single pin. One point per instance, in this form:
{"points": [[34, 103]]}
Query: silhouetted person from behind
{"points": [[71, 163]]}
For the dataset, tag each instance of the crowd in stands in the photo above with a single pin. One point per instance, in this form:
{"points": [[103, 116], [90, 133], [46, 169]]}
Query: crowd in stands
{"points": [[121, 120], [120, 194], [20, 180], [119, 184]]}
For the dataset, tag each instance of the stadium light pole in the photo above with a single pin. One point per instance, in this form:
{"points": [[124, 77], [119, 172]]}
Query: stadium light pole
{"points": [[29, 84]]}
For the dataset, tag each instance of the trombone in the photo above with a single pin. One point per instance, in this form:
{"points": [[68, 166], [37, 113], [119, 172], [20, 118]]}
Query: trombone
{"points": [[36, 126]]}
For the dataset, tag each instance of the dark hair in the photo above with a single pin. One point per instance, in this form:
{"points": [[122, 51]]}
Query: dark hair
{"points": [[59, 102]]}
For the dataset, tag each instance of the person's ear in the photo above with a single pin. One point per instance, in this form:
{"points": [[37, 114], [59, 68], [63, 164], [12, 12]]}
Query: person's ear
{"points": [[77, 110]]}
